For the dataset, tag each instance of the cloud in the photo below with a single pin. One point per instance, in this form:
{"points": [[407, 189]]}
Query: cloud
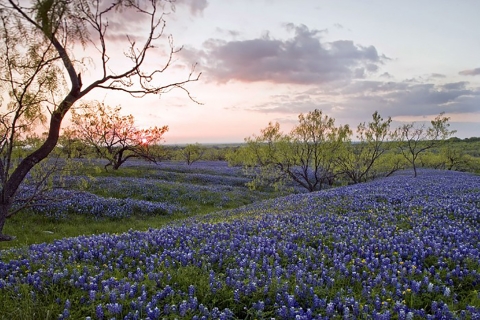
{"points": [[231, 33], [462, 85], [196, 6], [409, 98], [471, 72], [386, 75], [301, 59], [357, 100], [133, 22], [292, 107]]}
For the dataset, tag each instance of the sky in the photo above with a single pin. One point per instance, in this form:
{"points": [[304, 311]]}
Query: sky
{"points": [[263, 61]]}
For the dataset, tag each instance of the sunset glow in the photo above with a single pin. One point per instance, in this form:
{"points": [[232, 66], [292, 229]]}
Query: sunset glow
{"points": [[267, 61]]}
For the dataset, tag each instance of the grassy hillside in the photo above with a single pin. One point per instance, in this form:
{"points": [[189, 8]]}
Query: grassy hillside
{"points": [[397, 248], [139, 196]]}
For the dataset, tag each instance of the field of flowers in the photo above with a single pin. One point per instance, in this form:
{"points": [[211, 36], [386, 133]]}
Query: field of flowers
{"points": [[396, 248], [163, 189]]}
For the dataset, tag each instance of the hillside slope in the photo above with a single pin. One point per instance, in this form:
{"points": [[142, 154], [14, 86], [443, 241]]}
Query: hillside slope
{"points": [[400, 247]]}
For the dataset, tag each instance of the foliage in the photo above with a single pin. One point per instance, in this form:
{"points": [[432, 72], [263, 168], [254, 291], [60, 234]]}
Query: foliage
{"points": [[359, 162], [71, 146], [218, 152], [449, 157], [455, 158], [316, 141], [262, 157], [115, 137], [40, 77], [317, 154], [304, 157], [191, 153], [413, 140]]}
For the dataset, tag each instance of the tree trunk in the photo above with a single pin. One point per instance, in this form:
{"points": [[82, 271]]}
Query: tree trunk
{"points": [[3, 218]]}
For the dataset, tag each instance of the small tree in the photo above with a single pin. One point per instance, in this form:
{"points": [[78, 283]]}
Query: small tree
{"points": [[114, 137], [40, 77], [454, 157], [264, 157], [413, 140], [316, 144], [305, 156], [191, 153], [71, 146], [360, 157]]}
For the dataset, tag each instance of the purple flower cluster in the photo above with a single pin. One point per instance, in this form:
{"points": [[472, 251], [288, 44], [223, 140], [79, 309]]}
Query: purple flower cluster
{"points": [[396, 248], [208, 167], [217, 190], [59, 203], [169, 188]]}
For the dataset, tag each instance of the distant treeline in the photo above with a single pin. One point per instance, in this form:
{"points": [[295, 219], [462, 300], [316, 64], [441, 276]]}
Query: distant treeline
{"points": [[471, 139]]}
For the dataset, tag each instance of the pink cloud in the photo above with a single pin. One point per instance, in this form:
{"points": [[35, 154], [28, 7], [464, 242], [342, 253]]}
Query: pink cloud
{"points": [[471, 72]]}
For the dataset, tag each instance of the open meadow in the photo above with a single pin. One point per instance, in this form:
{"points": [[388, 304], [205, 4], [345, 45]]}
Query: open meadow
{"points": [[172, 241], [305, 161]]}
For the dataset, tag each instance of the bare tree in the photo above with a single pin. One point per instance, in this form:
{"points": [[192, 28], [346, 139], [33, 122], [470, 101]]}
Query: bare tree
{"points": [[40, 77], [115, 137], [360, 157], [413, 140]]}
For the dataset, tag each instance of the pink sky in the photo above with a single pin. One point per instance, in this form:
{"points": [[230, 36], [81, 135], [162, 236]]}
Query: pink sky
{"points": [[270, 60]]}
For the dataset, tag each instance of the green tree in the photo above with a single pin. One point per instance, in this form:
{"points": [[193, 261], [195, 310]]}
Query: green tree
{"points": [[264, 157], [40, 76], [413, 140], [71, 146], [191, 153], [217, 153], [304, 157], [454, 157], [316, 143], [389, 163], [115, 137], [358, 162], [431, 159]]}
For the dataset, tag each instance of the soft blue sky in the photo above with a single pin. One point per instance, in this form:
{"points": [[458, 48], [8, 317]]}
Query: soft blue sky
{"points": [[269, 60]]}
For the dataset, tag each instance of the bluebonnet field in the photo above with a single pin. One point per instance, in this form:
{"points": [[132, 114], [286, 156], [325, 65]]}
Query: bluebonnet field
{"points": [[397, 248], [164, 189]]}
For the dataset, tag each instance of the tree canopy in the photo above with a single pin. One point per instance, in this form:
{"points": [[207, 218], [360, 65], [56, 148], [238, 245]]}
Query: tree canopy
{"points": [[115, 137], [41, 48], [318, 154]]}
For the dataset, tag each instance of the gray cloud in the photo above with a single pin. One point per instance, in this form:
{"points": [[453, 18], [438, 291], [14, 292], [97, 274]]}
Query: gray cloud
{"points": [[357, 100], [292, 107], [302, 59], [196, 6], [471, 72], [386, 75], [230, 33], [410, 99], [462, 85], [132, 22]]}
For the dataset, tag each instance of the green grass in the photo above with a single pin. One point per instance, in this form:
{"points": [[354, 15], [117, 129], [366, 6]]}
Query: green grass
{"points": [[30, 228]]}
